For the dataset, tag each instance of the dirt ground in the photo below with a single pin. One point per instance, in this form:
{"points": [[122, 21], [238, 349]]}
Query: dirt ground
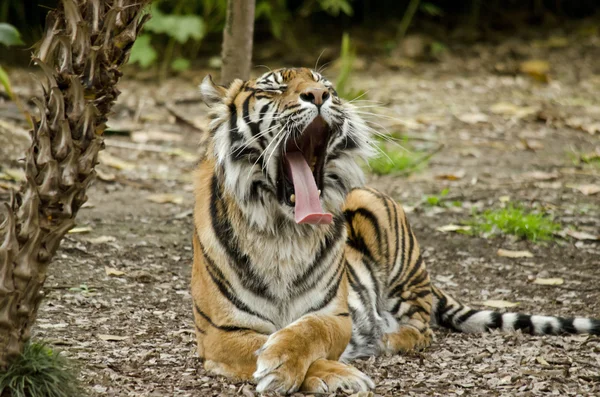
{"points": [[117, 294]]}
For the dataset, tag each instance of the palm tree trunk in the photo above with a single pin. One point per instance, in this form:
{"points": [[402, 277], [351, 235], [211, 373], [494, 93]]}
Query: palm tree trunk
{"points": [[84, 45], [237, 40]]}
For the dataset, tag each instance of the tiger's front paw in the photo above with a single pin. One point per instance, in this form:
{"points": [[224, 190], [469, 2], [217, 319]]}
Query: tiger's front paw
{"points": [[279, 368], [407, 339], [326, 376]]}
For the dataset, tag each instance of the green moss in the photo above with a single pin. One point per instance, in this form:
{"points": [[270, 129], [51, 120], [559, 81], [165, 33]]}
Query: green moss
{"points": [[40, 372], [515, 220]]}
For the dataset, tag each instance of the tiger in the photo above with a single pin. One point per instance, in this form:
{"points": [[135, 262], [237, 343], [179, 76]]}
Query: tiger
{"points": [[297, 267]]}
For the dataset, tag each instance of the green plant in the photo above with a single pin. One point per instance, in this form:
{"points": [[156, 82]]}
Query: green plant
{"points": [[347, 57], [9, 35], [40, 372], [396, 160], [178, 29], [515, 220], [436, 200]]}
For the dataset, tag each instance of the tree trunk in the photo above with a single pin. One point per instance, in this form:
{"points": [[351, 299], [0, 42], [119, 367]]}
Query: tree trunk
{"points": [[84, 45], [237, 40]]}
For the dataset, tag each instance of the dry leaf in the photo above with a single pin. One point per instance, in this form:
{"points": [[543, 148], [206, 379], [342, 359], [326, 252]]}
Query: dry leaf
{"points": [[453, 228], [514, 254], [452, 176], [541, 175], [582, 235], [13, 174], [101, 239], [511, 110], [112, 338], [163, 198], [541, 360], [531, 144], [105, 176], [83, 229], [362, 394], [111, 271], [536, 68], [588, 189], [473, 118], [549, 281], [499, 304], [114, 162], [504, 199], [156, 136]]}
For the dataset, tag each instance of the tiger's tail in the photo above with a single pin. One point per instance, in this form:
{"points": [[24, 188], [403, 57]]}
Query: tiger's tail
{"points": [[449, 313]]}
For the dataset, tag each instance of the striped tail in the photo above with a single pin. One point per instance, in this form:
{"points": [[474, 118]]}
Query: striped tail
{"points": [[449, 313]]}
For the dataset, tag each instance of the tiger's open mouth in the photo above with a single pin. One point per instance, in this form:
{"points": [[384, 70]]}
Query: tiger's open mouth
{"points": [[301, 173]]}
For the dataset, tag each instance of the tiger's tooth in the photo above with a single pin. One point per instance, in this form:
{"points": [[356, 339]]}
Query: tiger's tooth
{"points": [[293, 198], [319, 192]]}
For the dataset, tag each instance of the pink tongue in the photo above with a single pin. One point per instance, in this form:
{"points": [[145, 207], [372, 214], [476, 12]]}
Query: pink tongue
{"points": [[308, 205]]}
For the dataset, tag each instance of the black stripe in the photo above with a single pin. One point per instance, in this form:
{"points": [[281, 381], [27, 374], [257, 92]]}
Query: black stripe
{"points": [[397, 236], [234, 132], [326, 246], [405, 280], [245, 153], [566, 325], [548, 329], [239, 262], [523, 322], [495, 321], [226, 289], [345, 314], [226, 328], [200, 330], [330, 294]]}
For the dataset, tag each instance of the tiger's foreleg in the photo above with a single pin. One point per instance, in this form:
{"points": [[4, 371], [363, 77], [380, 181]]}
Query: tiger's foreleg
{"points": [[304, 353]]}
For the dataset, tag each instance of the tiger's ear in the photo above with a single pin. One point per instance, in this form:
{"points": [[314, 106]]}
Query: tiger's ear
{"points": [[212, 93]]}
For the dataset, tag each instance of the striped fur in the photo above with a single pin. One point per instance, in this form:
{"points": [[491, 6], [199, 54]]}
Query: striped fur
{"points": [[286, 304]]}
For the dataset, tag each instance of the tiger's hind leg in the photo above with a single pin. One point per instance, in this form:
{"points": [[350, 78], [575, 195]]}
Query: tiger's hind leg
{"points": [[379, 231]]}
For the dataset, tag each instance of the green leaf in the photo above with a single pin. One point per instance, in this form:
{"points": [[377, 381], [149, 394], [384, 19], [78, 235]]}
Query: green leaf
{"points": [[180, 64], [5, 81], [142, 52], [9, 35], [180, 27]]}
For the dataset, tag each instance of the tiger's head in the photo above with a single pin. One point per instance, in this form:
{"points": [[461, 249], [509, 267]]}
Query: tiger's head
{"points": [[285, 146]]}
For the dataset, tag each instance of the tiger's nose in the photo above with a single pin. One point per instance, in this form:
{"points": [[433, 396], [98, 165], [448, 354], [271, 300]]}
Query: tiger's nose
{"points": [[315, 96]]}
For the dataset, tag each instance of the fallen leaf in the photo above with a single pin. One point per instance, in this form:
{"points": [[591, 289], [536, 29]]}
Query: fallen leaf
{"points": [[541, 360], [156, 136], [584, 124], [536, 68], [508, 109], [163, 198], [473, 118], [514, 254], [452, 176], [453, 228], [499, 304], [101, 239], [582, 235], [588, 190], [541, 175], [112, 338], [105, 176], [549, 281], [83, 229], [363, 394], [504, 199], [13, 174], [114, 162], [142, 276], [531, 144], [111, 271], [52, 326]]}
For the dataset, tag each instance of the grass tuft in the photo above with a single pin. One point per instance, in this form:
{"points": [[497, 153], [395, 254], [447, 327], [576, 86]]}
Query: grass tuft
{"points": [[516, 221], [40, 372], [394, 159]]}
